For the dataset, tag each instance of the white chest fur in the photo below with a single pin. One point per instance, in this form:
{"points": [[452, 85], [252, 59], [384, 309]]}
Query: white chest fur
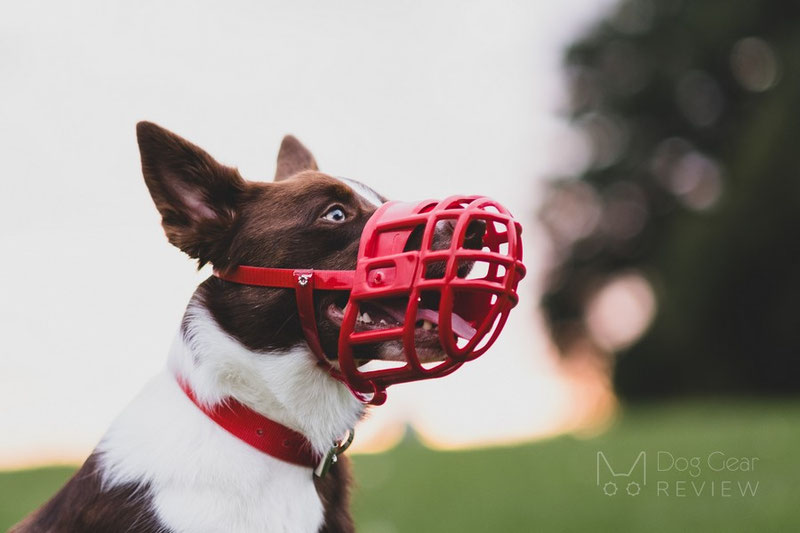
{"points": [[202, 478]]}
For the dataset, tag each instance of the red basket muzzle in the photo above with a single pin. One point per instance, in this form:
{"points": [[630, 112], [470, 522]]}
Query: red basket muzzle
{"points": [[433, 286]]}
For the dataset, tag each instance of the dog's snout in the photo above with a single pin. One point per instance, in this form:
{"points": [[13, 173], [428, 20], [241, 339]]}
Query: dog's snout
{"points": [[443, 235], [473, 237]]}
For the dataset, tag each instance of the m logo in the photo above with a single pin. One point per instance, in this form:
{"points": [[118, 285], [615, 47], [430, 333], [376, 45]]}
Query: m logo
{"points": [[630, 481]]}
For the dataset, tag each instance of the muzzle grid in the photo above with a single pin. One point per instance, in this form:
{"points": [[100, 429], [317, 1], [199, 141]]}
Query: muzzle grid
{"points": [[388, 269]]}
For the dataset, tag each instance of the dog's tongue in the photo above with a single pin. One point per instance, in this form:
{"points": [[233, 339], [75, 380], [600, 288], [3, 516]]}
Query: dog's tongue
{"points": [[461, 327]]}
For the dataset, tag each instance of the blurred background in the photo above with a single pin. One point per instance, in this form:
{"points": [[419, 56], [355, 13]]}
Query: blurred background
{"points": [[646, 145]]}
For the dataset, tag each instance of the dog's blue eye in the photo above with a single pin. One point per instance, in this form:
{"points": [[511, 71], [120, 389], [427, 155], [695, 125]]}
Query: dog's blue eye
{"points": [[335, 214]]}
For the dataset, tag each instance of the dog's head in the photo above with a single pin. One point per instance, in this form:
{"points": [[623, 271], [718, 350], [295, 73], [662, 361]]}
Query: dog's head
{"points": [[303, 219]]}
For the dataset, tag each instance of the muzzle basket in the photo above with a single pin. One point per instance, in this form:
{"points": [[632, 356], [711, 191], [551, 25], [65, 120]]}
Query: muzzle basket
{"points": [[475, 278]]}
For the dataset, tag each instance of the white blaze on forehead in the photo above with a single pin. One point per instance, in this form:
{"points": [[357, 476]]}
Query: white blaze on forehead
{"points": [[365, 192]]}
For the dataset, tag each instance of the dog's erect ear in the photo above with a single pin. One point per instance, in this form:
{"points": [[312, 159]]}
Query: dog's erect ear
{"points": [[196, 196], [293, 157]]}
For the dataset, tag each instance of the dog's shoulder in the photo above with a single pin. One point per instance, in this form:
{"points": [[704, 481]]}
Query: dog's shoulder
{"points": [[82, 506]]}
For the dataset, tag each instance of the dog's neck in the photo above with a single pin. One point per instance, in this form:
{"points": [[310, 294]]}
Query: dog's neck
{"points": [[198, 477], [286, 386]]}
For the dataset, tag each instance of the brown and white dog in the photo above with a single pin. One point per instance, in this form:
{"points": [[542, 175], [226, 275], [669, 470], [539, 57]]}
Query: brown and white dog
{"points": [[164, 465]]}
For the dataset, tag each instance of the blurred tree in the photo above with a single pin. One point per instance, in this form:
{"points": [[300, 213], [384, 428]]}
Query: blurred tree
{"points": [[690, 198]]}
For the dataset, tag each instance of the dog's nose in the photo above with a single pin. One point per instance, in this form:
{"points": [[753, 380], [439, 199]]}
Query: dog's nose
{"points": [[473, 239], [442, 239]]}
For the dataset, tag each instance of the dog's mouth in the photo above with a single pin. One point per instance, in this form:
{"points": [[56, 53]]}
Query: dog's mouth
{"points": [[389, 314]]}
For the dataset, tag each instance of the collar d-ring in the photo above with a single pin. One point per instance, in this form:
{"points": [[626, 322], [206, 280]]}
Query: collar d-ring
{"points": [[333, 454]]}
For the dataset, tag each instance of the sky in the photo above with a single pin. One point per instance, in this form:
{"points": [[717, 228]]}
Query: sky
{"points": [[418, 100]]}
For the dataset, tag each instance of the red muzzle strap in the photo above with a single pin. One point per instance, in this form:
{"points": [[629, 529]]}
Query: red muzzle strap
{"points": [[304, 282]]}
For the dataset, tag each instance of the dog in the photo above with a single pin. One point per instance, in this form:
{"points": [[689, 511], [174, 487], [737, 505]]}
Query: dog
{"points": [[165, 464], [245, 427]]}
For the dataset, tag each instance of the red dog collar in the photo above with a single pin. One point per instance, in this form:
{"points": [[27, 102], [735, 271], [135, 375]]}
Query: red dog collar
{"points": [[266, 435], [395, 278]]}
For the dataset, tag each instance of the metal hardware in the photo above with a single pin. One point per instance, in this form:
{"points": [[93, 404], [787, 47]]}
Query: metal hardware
{"points": [[333, 454]]}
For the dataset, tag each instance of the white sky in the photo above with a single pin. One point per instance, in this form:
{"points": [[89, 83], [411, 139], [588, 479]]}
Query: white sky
{"points": [[415, 99]]}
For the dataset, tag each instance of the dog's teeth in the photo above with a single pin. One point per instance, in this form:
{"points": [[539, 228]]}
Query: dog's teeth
{"points": [[427, 325], [383, 322], [366, 318]]}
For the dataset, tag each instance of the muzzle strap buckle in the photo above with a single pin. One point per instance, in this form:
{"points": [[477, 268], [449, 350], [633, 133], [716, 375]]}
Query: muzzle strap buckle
{"points": [[304, 292]]}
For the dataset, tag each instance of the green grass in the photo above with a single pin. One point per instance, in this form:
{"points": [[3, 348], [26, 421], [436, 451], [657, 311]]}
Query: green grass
{"points": [[23, 490], [552, 485]]}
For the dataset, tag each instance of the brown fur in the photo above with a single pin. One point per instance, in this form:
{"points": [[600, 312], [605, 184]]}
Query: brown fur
{"points": [[293, 157], [176, 170], [334, 492], [81, 506], [274, 232]]}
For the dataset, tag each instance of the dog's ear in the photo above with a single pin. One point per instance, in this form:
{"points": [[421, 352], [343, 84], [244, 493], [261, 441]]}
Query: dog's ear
{"points": [[293, 157], [196, 196]]}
